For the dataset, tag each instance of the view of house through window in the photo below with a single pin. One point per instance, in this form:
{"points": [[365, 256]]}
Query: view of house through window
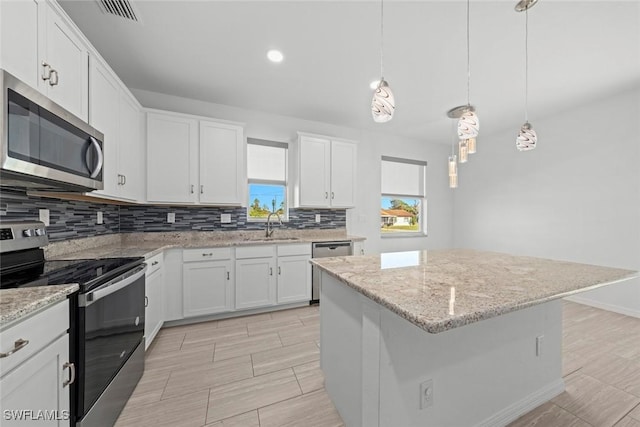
{"points": [[402, 207], [267, 179], [399, 214]]}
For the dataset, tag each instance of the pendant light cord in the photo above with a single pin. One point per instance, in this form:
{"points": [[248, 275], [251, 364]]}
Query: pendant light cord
{"points": [[381, 39], [526, 64], [468, 60]]}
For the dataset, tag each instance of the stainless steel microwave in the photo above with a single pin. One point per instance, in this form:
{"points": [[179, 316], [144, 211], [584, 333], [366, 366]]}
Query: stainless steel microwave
{"points": [[44, 146]]}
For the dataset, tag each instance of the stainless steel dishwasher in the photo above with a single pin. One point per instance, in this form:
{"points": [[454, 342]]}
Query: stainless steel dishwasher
{"points": [[324, 250]]}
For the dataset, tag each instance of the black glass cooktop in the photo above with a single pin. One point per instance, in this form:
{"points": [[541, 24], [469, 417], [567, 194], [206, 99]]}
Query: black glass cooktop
{"points": [[88, 273]]}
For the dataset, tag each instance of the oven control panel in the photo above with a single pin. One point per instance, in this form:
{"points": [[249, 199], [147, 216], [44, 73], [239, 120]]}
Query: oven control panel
{"points": [[19, 235]]}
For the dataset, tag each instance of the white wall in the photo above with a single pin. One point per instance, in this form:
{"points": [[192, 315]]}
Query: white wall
{"points": [[364, 220], [575, 197]]}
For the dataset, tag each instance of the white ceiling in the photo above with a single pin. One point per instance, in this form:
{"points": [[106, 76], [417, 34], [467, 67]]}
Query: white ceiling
{"points": [[216, 51]]}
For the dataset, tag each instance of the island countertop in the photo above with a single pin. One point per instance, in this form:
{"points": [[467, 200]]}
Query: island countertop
{"points": [[438, 290]]}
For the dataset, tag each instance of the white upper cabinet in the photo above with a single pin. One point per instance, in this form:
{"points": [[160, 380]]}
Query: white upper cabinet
{"points": [[131, 148], [221, 150], [194, 161], [40, 46], [114, 113], [104, 117], [326, 172], [65, 65], [171, 150], [19, 42]]}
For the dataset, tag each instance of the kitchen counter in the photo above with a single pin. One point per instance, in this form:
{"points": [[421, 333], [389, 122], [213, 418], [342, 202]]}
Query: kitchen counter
{"points": [[150, 244], [444, 289], [18, 303], [445, 337]]}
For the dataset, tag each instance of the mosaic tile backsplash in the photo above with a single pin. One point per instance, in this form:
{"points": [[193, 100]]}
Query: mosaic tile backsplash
{"points": [[74, 219]]}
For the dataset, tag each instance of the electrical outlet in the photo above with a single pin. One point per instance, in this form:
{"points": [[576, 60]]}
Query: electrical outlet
{"points": [[426, 394], [539, 345], [225, 218], [171, 217], [44, 216], [99, 218], [317, 217]]}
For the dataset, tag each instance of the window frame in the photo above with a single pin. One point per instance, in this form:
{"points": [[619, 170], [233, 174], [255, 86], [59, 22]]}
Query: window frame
{"points": [[285, 183], [422, 217]]}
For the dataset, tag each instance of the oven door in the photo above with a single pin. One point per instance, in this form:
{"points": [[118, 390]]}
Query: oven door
{"points": [[110, 327]]}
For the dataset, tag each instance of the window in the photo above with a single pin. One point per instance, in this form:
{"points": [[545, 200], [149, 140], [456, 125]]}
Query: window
{"points": [[267, 179], [403, 206]]}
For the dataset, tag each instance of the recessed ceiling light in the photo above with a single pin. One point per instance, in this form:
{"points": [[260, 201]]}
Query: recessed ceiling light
{"points": [[275, 55], [374, 84]]}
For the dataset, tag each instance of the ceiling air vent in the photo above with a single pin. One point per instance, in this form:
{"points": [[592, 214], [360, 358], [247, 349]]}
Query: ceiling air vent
{"points": [[121, 8]]}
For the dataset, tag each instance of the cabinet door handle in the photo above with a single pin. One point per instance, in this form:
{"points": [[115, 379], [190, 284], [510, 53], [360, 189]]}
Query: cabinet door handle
{"points": [[270, 271], [333, 196], [154, 263], [72, 373], [146, 301], [46, 71], [279, 271], [124, 179], [202, 189], [228, 277], [192, 188], [326, 195], [17, 346], [52, 81]]}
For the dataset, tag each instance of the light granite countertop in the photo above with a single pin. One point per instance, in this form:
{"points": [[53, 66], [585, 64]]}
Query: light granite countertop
{"points": [[438, 290], [17, 303], [150, 244]]}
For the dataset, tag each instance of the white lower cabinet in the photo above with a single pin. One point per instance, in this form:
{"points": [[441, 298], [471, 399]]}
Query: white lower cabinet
{"points": [[294, 273], [255, 276], [154, 298], [207, 281], [35, 369]]}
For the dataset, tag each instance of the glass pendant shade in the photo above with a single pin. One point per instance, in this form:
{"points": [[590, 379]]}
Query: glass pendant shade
{"points": [[471, 145], [453, 181], [383, 104], [527, 138], [463, 151], [453, 165], [468, 125]]}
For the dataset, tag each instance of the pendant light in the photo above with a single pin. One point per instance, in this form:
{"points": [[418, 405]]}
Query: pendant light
{"points": [[453, 168], [468, 123], [383, 103], [527, 137]]}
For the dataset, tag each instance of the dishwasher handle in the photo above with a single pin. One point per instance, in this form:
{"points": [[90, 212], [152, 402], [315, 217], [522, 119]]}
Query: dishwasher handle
{"points": [[332, 245]]}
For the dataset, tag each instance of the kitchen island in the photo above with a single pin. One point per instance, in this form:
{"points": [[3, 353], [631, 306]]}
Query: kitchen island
{"points": [[446, 338]]}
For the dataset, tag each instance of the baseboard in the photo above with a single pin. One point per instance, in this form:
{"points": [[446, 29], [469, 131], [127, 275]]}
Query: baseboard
{"points": [[518, 409], [604, 306]]}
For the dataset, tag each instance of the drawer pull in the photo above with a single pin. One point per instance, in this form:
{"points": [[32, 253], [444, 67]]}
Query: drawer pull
{"points": [[18, 345], [209, 254], [154, 263], [72, 373]]}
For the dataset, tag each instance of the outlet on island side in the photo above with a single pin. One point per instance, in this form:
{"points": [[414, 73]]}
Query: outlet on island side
{"points": [[426, 394], [539, 345]]}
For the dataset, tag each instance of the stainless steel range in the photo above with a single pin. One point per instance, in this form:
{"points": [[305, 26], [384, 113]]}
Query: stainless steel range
{"points": [[106, 318]]}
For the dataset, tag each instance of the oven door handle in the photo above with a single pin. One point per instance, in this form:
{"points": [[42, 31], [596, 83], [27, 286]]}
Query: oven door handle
{"points": [[112, 286]]}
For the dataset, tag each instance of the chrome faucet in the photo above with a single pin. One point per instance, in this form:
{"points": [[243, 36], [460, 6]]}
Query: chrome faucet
{"points": [[270, 229]]}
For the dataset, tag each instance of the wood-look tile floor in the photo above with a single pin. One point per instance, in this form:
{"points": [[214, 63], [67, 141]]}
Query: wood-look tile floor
{"points": [[264, 370]]}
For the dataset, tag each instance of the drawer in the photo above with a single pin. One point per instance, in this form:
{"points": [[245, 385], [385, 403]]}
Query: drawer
{"points": [[40, 330], [206, 254], [261, 251], [154, 264], [294, 249]]}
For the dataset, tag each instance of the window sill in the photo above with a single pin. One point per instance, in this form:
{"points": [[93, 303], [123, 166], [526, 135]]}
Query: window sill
{"points": [[403, 235]]}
